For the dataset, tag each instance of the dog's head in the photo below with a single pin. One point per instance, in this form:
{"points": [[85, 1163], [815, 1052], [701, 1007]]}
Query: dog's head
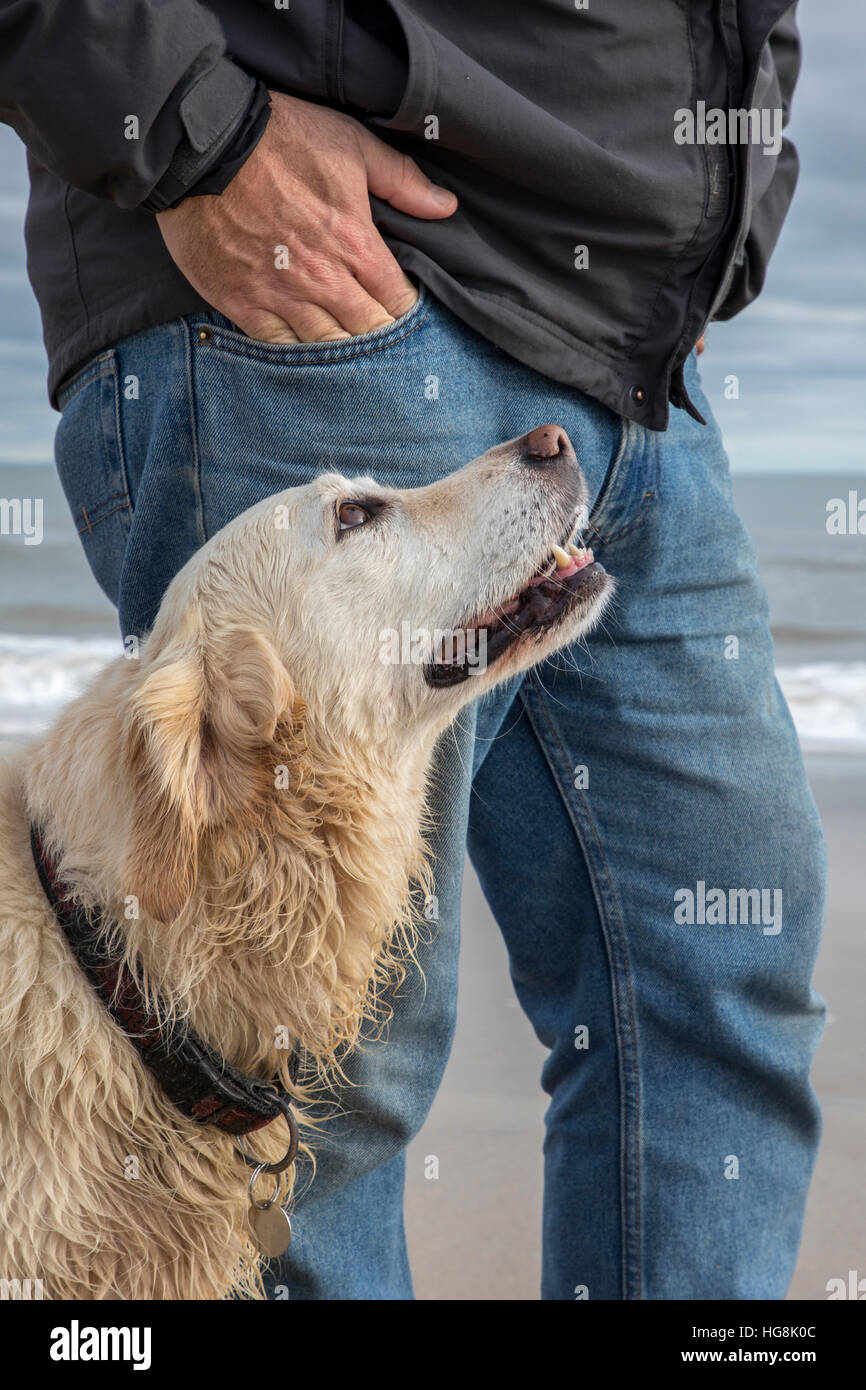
{"points": [[401, 606], [354, 614]]}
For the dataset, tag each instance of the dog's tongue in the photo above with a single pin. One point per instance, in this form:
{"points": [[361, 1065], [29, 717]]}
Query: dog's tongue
{"points": [[451, 649], [575, 563]]}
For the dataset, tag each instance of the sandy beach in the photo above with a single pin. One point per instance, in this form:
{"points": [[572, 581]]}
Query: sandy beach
{"points": [[475, 1232]]}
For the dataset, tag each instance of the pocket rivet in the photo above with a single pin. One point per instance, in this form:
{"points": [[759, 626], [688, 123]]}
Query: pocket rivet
{"points": [[204, 335]]}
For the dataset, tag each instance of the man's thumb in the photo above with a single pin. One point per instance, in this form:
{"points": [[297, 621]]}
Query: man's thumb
{"points": [[397, 179]]}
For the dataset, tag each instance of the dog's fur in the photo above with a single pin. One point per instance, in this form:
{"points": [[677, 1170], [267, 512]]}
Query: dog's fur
{"points": [[243, 802]]}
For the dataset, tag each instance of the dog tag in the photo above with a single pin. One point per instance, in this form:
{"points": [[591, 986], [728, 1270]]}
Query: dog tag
{"points": [[271, 1228]]}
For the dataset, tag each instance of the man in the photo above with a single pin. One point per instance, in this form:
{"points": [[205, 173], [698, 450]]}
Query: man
{"points": [[236, 294]]}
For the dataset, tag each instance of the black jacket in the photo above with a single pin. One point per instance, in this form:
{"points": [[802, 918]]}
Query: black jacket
{"points": [[558, 128]]}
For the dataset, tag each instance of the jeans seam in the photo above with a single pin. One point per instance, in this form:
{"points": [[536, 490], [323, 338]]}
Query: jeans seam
{"points": [[118, 433], [629, 1108], [193, 430]]}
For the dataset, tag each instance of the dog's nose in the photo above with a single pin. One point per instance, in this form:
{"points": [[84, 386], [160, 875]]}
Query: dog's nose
{"points": [[546, 444]]}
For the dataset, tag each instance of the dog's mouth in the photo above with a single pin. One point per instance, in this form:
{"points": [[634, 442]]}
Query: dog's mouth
{"points": [[568, 578]]}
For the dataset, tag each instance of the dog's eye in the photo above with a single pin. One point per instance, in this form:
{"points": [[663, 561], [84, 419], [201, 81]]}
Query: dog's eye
{"points": [[351, 514]]}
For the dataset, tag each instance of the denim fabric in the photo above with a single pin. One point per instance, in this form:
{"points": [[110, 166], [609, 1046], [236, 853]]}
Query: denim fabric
{"points": [[656, 757]]}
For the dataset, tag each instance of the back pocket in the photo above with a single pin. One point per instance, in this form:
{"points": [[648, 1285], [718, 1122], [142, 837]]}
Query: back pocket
{"points": [[88, 452]]}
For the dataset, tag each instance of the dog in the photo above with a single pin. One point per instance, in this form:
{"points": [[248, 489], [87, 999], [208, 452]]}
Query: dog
{"points": [[240, 806]]}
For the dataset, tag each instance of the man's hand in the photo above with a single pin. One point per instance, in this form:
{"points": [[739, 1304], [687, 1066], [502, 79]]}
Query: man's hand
{"points": [[305, 186]]}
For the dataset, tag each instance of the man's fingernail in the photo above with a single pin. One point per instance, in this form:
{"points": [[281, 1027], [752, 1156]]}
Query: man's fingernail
{"points": [[441, 195]]}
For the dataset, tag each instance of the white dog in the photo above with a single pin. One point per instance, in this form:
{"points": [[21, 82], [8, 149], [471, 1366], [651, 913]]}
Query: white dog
{"points": [[238, 815]]}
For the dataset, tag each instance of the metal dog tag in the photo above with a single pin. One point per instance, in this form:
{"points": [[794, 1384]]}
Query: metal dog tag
{"points": [[271, 1228], [270, 1225]]}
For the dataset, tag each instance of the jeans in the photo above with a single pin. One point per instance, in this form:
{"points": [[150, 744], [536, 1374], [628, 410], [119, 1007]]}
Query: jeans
{"points": [[636, 809]]}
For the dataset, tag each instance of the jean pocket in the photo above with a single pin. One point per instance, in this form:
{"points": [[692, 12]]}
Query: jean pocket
{"points": [[88, 452], [216, 333], [629, 487]]}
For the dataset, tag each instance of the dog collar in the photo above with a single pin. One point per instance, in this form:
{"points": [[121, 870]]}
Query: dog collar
{"points": [[205, 1087]]}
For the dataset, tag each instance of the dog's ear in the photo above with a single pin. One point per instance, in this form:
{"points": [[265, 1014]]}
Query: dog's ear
{"points": [[251, 699], [200, 738], [162, 738]]}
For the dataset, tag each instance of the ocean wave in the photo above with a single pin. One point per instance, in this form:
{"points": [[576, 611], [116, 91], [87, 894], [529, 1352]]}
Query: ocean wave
{"points": [[828, 702], [38, 675]]}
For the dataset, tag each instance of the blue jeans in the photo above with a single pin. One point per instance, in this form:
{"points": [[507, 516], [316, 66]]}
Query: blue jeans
{"points": [[654, 767]]}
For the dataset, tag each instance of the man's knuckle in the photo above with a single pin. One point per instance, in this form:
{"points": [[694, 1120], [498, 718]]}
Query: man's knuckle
{"points": [[353, 237], [311, 266]]}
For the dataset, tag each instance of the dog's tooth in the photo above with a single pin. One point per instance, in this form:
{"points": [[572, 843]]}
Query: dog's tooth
{"points": [[562, 558]]}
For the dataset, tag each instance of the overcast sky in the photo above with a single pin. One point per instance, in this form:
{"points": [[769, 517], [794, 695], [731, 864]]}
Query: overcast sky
{"points": [[799, 351]]}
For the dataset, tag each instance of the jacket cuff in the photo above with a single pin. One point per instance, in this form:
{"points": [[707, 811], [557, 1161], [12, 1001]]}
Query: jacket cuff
{"points": [[210, 113]]}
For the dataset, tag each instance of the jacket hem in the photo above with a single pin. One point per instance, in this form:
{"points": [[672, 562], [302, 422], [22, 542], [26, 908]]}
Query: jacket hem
{"points": [[538, 344], [112, 324]]}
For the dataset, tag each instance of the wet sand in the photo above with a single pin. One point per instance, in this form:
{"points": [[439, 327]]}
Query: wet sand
{"points": [[474, 1232]]}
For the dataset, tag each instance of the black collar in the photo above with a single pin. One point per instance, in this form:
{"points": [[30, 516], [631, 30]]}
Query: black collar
{"points": [[203, 1085]]}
